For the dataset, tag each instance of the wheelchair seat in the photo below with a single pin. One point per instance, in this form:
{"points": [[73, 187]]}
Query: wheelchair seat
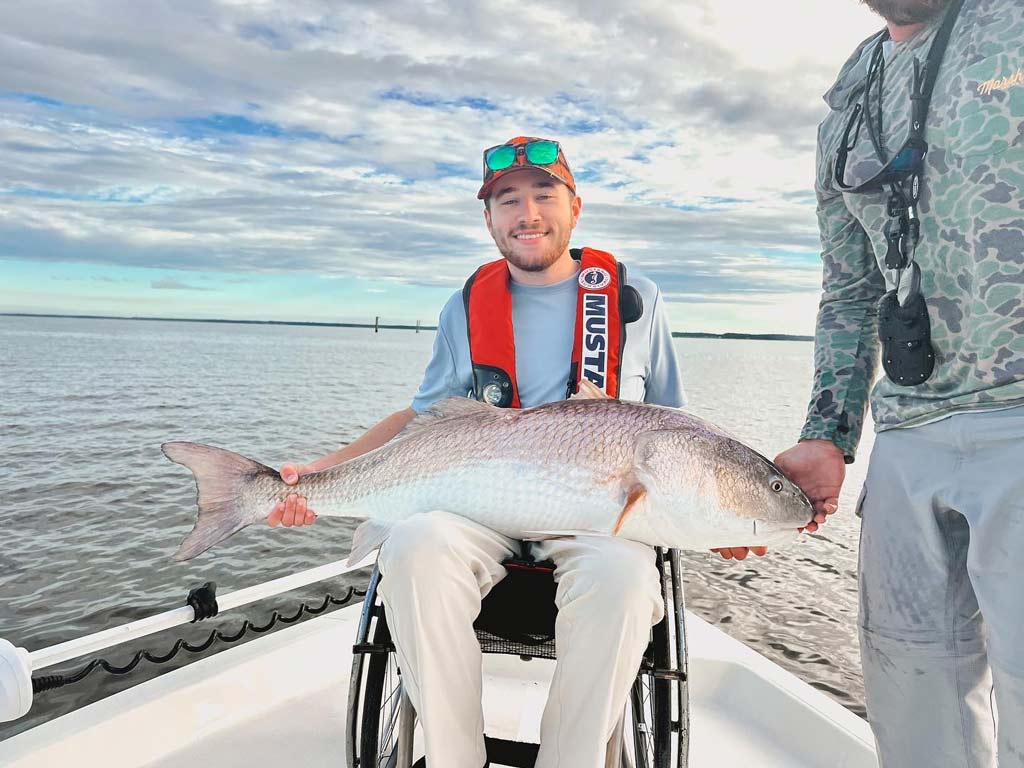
{"points": [[518, 615]]}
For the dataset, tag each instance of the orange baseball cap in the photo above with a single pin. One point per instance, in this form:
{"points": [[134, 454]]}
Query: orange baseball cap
{"points": [[525, 152]]}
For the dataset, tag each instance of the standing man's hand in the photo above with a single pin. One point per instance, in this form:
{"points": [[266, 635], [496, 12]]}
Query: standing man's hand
{"points": [[819, 468], [293, 510]]}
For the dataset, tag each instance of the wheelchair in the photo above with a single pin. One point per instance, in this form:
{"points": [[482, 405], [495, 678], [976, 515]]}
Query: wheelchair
{"points": [[518, 617]]}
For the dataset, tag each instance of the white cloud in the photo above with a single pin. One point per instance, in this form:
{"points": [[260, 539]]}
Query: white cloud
{"points": [[344, 138]]}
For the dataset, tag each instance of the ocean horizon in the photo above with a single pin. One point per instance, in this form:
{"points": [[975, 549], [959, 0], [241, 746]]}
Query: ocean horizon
{"points": [[387, 326]]}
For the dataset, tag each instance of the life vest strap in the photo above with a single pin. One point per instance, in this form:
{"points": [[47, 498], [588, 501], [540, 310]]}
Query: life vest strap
{"points": [[605, 304]]}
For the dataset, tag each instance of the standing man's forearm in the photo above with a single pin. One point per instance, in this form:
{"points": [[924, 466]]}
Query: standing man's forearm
{"points": [[846, 337]]}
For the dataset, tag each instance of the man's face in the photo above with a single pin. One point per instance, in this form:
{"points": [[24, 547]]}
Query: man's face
{"points": [[531, 218], [905, 12]]}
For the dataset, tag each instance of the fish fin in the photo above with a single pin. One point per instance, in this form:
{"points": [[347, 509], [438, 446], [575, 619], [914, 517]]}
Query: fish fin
{"points": [[635, 496], [220, 478], [449, 408], [369, 536], [651, 444], [588, 390]]}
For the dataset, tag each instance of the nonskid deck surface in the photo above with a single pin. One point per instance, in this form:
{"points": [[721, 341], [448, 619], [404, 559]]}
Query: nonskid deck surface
{"points": [[284, 696]]}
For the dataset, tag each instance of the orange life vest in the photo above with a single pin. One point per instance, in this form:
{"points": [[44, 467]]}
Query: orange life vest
{"points": [[604, 305]]}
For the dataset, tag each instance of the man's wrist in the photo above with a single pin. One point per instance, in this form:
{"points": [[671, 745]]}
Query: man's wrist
{"points": [[825, 443], [842, 442]]}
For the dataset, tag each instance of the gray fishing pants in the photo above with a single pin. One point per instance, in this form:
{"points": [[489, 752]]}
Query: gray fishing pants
{"points": [[942, 592]]}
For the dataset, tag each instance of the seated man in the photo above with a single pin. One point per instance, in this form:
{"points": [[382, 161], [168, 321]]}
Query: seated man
{"points": [[525, 330]]}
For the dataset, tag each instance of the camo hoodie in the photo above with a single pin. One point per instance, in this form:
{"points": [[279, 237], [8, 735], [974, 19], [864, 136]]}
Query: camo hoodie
{"points": [[971, 250]]}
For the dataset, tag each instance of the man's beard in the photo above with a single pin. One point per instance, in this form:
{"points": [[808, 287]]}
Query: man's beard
{"points": [[545, 260], [903, 12]]}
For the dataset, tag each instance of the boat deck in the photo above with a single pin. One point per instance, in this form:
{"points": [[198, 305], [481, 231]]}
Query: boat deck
{"points": [[281, 700]]}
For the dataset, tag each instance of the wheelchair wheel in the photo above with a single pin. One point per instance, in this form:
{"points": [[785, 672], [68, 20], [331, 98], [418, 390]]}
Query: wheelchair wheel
{"points": [[651, 704], [382, 699]]}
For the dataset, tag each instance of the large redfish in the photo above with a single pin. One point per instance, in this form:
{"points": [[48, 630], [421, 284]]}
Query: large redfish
{"points": [[596, 466]]}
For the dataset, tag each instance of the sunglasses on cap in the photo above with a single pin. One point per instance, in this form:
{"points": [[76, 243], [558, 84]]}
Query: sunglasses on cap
{"points": [[535, 152]]}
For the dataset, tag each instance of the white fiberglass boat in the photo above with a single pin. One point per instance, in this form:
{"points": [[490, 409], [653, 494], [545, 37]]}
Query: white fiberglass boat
{"points": [[282, 700]]}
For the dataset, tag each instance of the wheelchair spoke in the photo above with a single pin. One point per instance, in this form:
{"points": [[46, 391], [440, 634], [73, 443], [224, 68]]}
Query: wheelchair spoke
{"points": [[643, 736], [390, 708]]}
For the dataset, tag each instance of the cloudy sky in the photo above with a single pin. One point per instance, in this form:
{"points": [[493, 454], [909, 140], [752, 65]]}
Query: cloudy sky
{"points": [[305, 160]]}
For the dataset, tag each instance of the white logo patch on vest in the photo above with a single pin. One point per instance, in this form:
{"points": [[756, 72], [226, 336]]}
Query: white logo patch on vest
{"points": [[595, 335], [594, 278]]}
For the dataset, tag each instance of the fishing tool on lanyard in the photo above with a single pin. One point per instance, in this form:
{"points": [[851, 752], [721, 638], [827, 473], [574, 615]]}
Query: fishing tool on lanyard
{"points": [[903, 324]]}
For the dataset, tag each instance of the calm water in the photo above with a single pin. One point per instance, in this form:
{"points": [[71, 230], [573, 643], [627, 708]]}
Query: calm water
{"points": [[93, 511]]}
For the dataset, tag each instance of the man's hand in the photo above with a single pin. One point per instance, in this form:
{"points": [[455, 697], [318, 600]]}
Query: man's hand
{"points": [[818, 467], [293, 510], [740, 553]]}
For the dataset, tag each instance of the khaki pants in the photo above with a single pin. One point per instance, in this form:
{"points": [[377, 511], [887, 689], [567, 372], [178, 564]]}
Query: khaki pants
{"points": [[942, 592], [435, 569]]}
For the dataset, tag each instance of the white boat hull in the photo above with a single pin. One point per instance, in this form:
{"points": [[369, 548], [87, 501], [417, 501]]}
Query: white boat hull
{"points": [[283, 697]]}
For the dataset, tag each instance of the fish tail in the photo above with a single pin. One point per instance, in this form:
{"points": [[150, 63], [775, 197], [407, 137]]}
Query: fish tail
{"points": [[220, 477]]}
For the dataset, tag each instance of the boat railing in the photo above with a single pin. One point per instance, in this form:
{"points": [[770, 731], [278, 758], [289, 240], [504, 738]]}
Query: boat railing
{"points": [[18, 664]]}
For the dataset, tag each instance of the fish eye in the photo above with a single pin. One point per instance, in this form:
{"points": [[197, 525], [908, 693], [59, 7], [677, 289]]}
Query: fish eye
{"points": [[776, 485]]}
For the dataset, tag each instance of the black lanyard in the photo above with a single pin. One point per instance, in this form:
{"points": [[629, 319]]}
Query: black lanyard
{"points": [[904, 327], [908, 162]]}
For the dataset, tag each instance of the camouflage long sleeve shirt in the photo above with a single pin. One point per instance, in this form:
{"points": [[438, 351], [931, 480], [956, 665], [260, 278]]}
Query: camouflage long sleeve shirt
{"points": [[971, 250]]}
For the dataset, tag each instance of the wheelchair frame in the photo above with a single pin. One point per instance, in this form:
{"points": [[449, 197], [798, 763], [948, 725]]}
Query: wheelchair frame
{"points": [[381, 719]]}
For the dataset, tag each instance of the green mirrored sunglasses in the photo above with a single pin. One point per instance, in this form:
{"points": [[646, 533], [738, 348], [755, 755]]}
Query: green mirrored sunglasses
{"points": [[542, 152]]}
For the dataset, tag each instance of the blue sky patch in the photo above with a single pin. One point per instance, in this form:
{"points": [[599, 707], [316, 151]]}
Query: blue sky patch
{"points": [[431, 101], [32, 98], [199, 127]]}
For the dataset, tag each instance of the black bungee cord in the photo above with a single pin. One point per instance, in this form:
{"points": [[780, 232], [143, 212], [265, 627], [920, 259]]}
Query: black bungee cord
{"points": [[204, 602]]}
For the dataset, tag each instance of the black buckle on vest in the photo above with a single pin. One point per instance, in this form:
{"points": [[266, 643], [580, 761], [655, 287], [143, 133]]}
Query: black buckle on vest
{"points": [[631, 303], [906, 336]]}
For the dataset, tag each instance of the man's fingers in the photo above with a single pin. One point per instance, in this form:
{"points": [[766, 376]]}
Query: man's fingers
{"points": [[274, 518], [292, 511], [740, 553], [288, 519]]}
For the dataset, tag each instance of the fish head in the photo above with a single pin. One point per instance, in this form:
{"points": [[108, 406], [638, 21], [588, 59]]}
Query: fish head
{"points": [[751, 487], [713, 486]]}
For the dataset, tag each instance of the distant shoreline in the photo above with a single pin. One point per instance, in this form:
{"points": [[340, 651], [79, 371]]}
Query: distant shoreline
{"points": [[399, 327]]}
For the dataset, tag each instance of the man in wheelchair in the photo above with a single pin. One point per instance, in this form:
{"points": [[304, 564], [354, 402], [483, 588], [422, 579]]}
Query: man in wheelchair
{"points": [[525, 330]]}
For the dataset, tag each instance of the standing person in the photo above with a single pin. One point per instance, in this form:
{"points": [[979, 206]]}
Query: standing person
{"points": [[524, 331], [926, 253]]}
